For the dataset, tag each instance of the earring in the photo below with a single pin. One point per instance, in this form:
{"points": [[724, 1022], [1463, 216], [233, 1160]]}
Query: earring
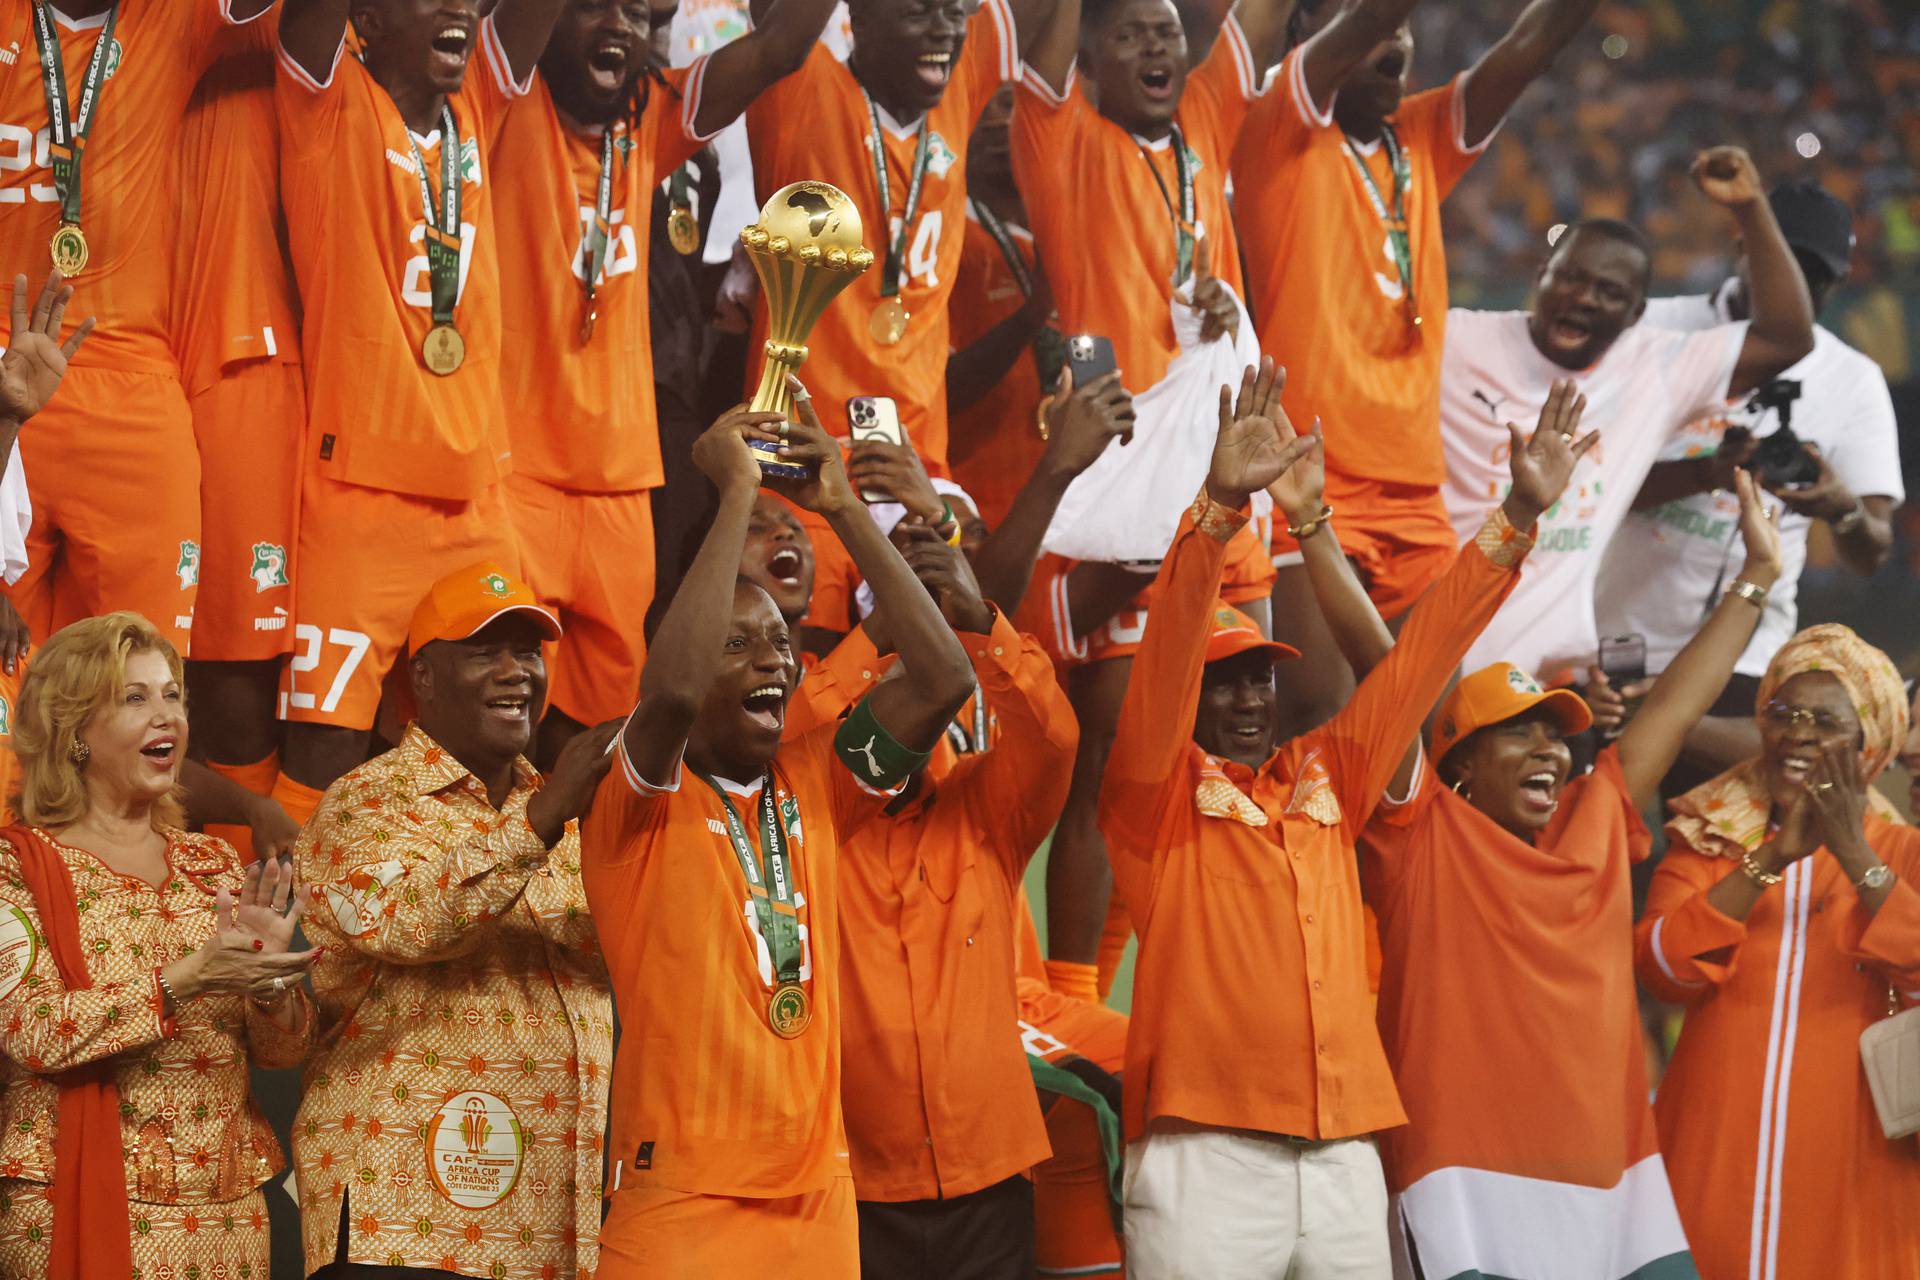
{"points": [[79, 753], [1460, 788]]}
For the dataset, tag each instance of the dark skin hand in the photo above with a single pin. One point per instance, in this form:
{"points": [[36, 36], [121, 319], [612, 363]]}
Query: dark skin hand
{"points": [[15, 640], [896, 474], [1219, 314], [1781, 331], [35, 359], [217, 799]]}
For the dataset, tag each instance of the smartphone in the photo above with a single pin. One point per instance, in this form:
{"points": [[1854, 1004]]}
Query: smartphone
{"points": [[875, 418], [1623, 660], [1090, 358]]}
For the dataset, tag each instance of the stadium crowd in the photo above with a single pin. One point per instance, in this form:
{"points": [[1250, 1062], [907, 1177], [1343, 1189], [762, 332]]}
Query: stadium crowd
{"points": [[419, 668]]}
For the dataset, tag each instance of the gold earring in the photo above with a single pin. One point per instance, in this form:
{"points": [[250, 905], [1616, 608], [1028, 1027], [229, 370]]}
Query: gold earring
{"points": [[80, 753], [1460, 788]]}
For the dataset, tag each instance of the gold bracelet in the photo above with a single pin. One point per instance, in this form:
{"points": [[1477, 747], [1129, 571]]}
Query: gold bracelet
{"points": [[1040, 420], [1313, 526], [1752, 592], [1763, 879], [167, 988]]}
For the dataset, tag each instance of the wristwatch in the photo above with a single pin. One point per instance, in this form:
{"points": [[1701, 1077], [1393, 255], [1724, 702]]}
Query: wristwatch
{"points": [[1849, 522], [1877, 878]]}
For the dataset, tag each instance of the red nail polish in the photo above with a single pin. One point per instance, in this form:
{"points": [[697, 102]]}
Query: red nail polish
{"points": [[258, 945]]}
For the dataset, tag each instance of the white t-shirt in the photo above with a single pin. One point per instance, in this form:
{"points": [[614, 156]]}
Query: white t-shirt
{"points": [[1649, 383], [1668, 567]]}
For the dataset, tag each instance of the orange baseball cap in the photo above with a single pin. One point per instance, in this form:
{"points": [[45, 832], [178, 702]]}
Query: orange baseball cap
{"points": [[465, 602], [1234, 633], [1501, 692]]}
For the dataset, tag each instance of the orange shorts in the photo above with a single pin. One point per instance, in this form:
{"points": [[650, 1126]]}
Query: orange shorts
{"points": [[1056, 1024], [249, 426], [367, 558], [590, 556], [1045, 615], [1072, 1205], [652, 1233], [115, 481], [1397, 536]]}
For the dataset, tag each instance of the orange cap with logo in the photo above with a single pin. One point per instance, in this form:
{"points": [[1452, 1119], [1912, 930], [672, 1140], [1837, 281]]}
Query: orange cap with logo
{"points": [[467, 601], [1234, 633], [1501, 692]]}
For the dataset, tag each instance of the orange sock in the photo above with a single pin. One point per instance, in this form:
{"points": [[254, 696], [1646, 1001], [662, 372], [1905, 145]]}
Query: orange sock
{"points": [[1080, 981], [1113, 942], [297, 798], [258, 778]]}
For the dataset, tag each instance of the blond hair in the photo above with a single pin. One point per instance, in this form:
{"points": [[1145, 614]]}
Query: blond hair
{"points": [[75, 674]]}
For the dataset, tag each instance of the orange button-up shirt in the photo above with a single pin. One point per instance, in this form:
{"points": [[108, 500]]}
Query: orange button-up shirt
{"points": [[192, 1133], [1250, 1006], [466, 1003], [938, 1099]]}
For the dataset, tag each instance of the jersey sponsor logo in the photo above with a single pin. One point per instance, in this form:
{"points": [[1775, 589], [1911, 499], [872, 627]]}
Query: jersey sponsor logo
{"points": [[1493, 405], [401, 160], [716, 826], [359, 901], [269, 567], [475, 1149], [10, 54], [19, 947], [187, 567]]}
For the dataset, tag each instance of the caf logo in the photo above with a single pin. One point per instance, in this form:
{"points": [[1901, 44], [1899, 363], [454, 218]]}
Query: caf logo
{"points": [[497, 586], [188, 566], [269, 566]]}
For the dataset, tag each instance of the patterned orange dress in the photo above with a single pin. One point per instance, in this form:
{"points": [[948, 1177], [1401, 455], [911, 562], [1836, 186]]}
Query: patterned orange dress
{"points": [[197, 1148]]}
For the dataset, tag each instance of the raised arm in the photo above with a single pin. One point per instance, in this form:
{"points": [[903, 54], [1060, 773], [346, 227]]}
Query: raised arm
{"points": [[783, 35], [312, 32], [523, 27], [1693, 680], [1781, 332], [1081, 425], [1520, 57], [1264, 23], [686, 651], [1049, 38], [1344, 43], [916, 710]]}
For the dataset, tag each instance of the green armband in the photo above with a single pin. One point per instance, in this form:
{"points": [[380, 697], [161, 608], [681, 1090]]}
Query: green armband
{"points": [[871, 753]]}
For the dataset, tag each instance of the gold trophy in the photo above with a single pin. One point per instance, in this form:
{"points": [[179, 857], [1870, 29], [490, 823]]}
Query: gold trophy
{"points": [[806, 248]]}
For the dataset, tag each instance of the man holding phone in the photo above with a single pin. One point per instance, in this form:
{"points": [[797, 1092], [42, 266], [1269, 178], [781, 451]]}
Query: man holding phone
{"points": [[1821, 437]]}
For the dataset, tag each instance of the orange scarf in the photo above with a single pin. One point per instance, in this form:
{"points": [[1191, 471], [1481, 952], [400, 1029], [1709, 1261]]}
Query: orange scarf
{"points": [[92, 1236]]}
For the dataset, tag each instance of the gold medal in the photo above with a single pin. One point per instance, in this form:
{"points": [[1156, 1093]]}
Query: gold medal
{"points": [[683, 231], [443, 349], [789, 1012], [69, 248], [889, 323]]}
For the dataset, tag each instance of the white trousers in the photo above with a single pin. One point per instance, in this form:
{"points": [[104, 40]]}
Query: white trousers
{"points": [[1216, 1204]]}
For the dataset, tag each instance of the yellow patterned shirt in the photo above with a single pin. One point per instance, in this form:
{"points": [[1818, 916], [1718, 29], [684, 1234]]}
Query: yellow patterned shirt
{"points": [[458, 1096], [191, 1133]]}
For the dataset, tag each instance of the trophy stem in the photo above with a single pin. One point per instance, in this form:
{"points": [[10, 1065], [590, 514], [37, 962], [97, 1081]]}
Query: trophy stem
{"points": [[774, 397]]}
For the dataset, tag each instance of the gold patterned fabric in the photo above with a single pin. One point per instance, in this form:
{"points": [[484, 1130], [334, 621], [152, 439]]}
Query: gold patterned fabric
{"points": [[458, 1097], [1500, 542], [170, 1242], [196, 1147], [1217, 522]]}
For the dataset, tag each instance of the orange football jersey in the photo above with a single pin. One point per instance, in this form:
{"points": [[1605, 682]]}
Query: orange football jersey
{"points": [[996, 441], [1088, 181], [234, 301], [127, 174], [815, 124], [581, 414], [375, 415], [1327, 296]]}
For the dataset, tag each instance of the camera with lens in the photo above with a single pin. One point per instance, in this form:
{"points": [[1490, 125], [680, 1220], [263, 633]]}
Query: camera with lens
{"points": [[1781, 460]]}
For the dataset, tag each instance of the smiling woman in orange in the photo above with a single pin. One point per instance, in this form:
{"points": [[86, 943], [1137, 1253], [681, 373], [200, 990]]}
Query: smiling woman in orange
{"points": [[1506, 996], [141, 969], [1784, 917]]}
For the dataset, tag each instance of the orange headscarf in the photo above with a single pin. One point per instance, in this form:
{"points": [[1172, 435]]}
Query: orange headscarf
{"points": [[1730, 815]]}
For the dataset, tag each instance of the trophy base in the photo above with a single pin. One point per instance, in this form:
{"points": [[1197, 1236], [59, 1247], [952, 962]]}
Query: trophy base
{"points": [[772, 464]]}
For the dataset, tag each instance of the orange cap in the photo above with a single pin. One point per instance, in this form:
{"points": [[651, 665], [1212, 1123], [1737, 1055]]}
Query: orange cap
{"points": [[1234, 633], [1501, 692], [466, 601]]}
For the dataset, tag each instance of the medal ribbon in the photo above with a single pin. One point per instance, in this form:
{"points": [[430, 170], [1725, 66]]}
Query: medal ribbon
{"points": [[1049, 346], [1184, 215], [601, 234], [680, 188], [773, 905], [443, 233], [67, 134], [897, 246], [1395, 219]]}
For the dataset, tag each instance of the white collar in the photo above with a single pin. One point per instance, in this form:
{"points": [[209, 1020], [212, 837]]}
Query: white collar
{"points": [[425, 141], [1160, 144], [1364, 148], [892, 126], [740, 790], [94, 23]]}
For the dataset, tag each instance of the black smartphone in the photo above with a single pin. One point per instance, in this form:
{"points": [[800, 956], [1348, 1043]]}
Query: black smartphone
{"points": [[1089, 357], [1623, 660]]}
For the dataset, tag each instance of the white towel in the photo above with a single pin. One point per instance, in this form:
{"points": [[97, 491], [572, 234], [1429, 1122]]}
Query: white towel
{"points": [[1127, 505], [16, 517]]}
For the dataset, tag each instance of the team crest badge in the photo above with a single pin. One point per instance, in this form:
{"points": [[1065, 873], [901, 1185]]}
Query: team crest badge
{"points": [[790, 818], [940, 156], [269, 566], [496, 585], [188, 566], [1520, 682], [113, 61], [6, 718], [470, 160]]}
